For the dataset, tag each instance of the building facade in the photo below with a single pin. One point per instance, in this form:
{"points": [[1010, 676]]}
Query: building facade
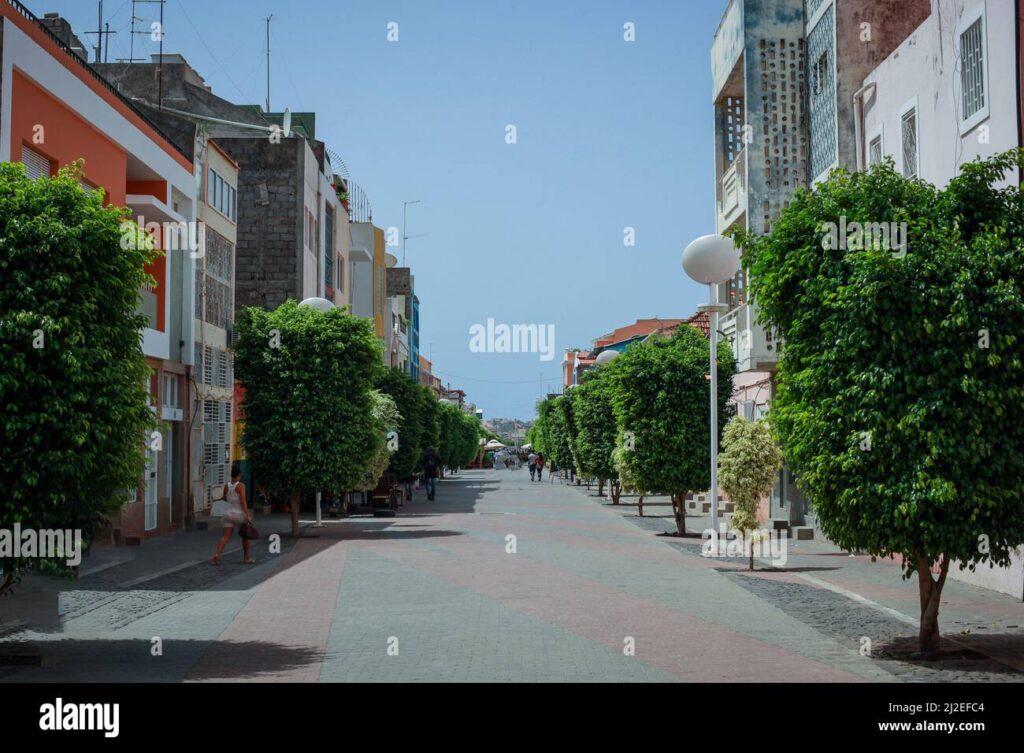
{"points": [[940, 99], [55, 109]]}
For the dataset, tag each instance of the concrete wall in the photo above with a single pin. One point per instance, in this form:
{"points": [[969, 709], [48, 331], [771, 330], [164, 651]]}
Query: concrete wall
{"points": [[925, 69], [271, 201]]}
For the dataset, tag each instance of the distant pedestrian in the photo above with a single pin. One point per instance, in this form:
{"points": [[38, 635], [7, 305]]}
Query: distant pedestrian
{"points": [[533, 465], [540, 465], [431, 463], [235, 514]]}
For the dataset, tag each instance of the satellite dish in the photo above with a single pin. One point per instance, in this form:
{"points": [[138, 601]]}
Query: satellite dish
{"points": [[287, 125]]}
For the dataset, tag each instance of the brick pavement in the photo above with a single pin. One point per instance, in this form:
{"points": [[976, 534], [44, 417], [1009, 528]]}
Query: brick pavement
{"points": [[433, 594]]}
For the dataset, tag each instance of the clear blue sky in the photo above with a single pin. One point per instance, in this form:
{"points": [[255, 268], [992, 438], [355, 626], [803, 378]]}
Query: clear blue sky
{"points": [[610, 134]]}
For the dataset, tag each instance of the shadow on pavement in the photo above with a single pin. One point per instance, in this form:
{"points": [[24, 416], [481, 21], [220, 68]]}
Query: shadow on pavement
{"points": [[79, 660]]}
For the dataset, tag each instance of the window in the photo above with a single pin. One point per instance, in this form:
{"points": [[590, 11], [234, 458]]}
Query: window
{"points": [[909, 131], [222, 196], [36, 165], [875, 150], [339, 268], [819, 75], [170, 390], [972, 70]]}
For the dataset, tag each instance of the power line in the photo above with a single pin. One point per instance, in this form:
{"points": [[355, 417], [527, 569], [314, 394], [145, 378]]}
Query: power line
{"points": [[486, 381]]}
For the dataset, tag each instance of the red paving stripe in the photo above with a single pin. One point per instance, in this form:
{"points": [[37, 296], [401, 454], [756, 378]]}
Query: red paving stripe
{"points": [[292, 611], [669, 639]]}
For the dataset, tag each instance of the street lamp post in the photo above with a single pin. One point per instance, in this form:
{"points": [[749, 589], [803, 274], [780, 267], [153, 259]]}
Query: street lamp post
{"points": [[322, 305], [712, 260]]}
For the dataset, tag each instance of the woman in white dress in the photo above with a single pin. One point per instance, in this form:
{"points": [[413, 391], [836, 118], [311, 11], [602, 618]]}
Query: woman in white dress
{"points": [[236, 513]]}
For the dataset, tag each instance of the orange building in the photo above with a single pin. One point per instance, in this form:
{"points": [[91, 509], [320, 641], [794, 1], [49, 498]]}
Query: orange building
{"points": [[55, 110]]}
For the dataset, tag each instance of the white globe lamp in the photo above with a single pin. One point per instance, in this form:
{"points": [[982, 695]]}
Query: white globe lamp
{"points": [[712, 260]]}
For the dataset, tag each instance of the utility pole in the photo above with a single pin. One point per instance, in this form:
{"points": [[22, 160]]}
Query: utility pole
{"points": [[160, 68], [268, 60], [103, 32], [405, 236]]}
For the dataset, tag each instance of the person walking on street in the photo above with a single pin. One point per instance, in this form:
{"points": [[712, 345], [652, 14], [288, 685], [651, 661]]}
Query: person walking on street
{"points": [[540, 465], [431, 463], [533, 464], [235, 514]]}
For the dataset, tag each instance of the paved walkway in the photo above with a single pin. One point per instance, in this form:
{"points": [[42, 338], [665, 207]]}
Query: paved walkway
{"points": [[499, 579]]}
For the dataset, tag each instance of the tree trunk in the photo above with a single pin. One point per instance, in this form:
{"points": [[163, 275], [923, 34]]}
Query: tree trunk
{"points": [[679, 513], [640, 505], [615, 491], [600, 487], [295, 502], [930, 591]]}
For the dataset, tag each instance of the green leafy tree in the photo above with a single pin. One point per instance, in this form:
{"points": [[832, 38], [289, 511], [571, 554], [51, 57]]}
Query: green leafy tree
{"points": [[594, 421], [386, 419], [74, 405], [309, 422], [747, 469], [900, 383], [408, 397], [554, 432], [430, 424], [661, 396], [469, 435]]}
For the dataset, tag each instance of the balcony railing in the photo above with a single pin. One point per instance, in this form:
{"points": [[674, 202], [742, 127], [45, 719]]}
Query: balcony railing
{"points": [[732, 191]]}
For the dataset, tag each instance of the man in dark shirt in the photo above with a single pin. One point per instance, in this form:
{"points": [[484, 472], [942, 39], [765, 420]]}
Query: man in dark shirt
{"points": [[431, 467]]}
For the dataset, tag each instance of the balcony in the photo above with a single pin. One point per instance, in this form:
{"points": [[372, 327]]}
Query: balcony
{"points": [[732, 192], [754, 349]]}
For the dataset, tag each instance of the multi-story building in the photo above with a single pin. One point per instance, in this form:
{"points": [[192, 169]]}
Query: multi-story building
{"points": [[576, 362], [213, 405], [369, 263], [55, 109], [943, 97], [282, 192], [427, 378], [787, 78], [401, 284]]}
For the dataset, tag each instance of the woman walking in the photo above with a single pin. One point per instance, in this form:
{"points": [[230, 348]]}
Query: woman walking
{"points": [[540, 465], [236, 513]]}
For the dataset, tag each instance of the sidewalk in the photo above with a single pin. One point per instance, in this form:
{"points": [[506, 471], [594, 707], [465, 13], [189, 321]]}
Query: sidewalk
{"points": [[834, 591], [42, 603]]}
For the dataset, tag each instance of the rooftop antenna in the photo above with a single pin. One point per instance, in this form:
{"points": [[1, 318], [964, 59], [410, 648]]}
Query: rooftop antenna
{"points": [[160, 29], [268, 60], [102, 33], [404, 236]]}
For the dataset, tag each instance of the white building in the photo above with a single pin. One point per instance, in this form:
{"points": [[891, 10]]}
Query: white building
{"points": [[947, 95]]}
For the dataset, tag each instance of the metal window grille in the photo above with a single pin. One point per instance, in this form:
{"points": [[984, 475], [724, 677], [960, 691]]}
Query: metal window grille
{"points": [[875, 151], [909, 131], [972, 72]]}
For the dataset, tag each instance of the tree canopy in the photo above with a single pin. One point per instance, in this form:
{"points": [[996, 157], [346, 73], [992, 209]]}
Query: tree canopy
{"points": [[660, 395], [900, 382], [309, 422], [74, 404]]}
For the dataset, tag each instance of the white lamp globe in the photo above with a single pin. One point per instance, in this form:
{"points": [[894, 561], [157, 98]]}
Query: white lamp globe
{"points": [[711, 259], [320, 304], [606, 356]]}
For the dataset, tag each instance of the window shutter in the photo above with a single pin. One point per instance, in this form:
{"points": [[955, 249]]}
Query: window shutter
{"points": [[36, 164]]}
